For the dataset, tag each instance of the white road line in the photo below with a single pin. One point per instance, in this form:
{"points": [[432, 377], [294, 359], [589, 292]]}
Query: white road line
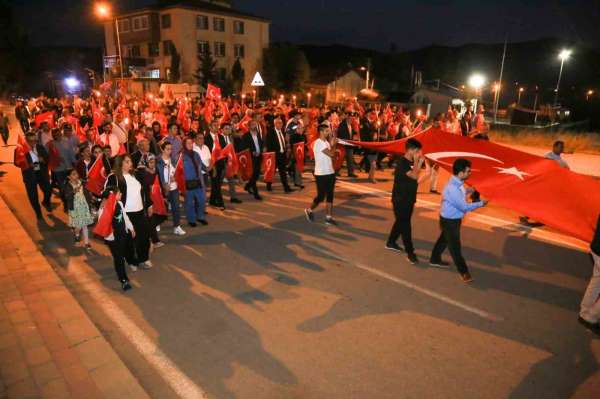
{"points": [[193, 250], [548, 236], [407, 284], [183, 386]]}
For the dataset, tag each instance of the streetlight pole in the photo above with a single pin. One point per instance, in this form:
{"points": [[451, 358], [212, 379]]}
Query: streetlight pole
{"points": [[563, 55], [119, 47], [103, 11]]}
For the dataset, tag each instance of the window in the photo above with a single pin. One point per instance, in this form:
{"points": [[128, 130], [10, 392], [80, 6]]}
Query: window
{"points": [[153, 50], [165, 21], [154, 74], [222, 74], [140, 23], [238, 27], [219, 24], [202, 22], [219, 49], [123, 25], [239, 51], [167, 47], [202, 47], [133, 51]]}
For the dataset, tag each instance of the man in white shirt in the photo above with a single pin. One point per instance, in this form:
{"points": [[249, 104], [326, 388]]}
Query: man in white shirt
{"points": [[557, 149], [324, 151], [108, 138]]}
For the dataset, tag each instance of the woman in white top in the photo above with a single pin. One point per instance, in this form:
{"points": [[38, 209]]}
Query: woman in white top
{"points": [[138, 206], [324, 151]]}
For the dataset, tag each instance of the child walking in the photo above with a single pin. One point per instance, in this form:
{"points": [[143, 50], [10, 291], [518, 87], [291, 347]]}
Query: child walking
{"points": [[77, 206]]}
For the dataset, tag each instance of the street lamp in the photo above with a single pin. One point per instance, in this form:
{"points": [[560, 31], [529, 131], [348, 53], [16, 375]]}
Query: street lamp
{"points": [[588, 94], [103, 12], [308, 95], [562, 56], [521, 90], [477, 81]]}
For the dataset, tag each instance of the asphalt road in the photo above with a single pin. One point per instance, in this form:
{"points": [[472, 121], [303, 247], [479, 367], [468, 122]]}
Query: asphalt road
{"points": [[263, 304]]}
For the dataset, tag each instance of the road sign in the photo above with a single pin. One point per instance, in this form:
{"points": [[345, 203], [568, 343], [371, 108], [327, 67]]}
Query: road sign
{"points": [[110, 61], [257, 80]]}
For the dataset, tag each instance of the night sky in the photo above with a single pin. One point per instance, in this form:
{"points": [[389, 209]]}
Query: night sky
{"points": [[372, 24]]}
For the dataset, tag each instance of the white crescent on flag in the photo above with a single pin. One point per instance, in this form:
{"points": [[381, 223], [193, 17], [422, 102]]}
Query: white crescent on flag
{"points": [[436, 156]]}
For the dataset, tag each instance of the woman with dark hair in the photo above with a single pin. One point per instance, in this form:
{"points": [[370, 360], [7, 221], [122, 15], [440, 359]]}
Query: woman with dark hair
{"points": [[148, 175], [138, 206]]}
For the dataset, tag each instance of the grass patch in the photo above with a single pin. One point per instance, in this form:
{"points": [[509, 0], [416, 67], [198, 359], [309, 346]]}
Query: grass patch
{"points": [[574, 141]]}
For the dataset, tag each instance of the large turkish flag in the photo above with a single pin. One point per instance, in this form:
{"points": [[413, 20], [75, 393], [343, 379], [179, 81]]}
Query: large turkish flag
{"points": [[529, 184]]}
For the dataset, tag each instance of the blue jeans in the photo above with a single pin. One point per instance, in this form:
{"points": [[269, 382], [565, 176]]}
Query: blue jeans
{"points": [[195, 203], [173, 198]]}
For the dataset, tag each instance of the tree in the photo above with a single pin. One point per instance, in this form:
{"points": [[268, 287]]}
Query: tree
{"points": [[175, 65], [206, 72], [15, 52], [285, 67], [237, 75]]}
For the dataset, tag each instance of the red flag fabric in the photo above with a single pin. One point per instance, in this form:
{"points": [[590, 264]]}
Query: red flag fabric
{"points": [[299, 156], [245, 164], [97, 115], [179, 175], [213, 92], [158, 201], [338, 161], [104, 226], [21, 142], [243, 124], [44, 117], [232, 161], [96, 176], [529, 184], [268, 166], [54, 158], [122, 149]]}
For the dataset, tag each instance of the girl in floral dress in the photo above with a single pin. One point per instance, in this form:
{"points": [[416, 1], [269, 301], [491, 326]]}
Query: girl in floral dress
{"points": [[77, 205]]}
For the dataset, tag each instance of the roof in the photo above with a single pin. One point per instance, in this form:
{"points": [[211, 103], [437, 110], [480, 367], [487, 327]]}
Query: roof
{"points": [[324, 77], [439, 87], [197, 5]]}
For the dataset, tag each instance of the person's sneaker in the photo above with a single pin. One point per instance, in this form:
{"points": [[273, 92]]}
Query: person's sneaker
{"points": [[192, 224], [412, 259], [133, 268], [330, 221], [257, 197], [178, 231], [147, 265], [158, 228], [392, 246], [288, 190], [203, 222], [125, 285], [309, 215], [88, 247], [593, 327], [466, 277], [158, 244], [439, 263], [236, 201]]}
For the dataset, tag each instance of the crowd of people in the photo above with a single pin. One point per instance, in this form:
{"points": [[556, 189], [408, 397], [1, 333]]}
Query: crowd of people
{"points": [[130, 160]]}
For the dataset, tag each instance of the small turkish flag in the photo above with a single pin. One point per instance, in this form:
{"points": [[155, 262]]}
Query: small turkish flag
{"points": [[158, 201], [54, 158], [245, 164], [299, 156], [232, 161], [179, 175], [338, 161], [104, 226], [268, 166], [96, 176], [213, 92], [45, 117]]}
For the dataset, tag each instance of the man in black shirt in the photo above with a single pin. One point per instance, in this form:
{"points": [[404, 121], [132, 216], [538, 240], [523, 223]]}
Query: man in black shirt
{"points": [[589, 314], [404, 196]]}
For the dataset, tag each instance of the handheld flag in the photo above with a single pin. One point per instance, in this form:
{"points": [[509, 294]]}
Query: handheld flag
{"points": [[245, 164], [96, 176], [299, 156], [268, 166]]}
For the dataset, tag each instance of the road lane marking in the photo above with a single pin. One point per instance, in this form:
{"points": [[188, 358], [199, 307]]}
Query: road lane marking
{"points": [[193, 250], [543, 235], [407, 284]]}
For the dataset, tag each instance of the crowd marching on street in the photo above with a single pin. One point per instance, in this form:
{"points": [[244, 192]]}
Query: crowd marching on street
{"points": [[122, 164]]}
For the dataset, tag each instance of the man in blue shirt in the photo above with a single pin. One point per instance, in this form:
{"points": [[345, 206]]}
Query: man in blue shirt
{"points": [[453, 209], [175, 141]]}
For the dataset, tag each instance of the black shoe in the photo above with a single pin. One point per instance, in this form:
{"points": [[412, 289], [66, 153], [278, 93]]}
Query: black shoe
{"points": [[257, 197], [330, 221], [593, 327], [236, 201], [288, 190], [202, 222], [269, 187], [393, 247], [300, 186], [353, 175], [309, 215], [439, 263], [125, 286], [412, 258], [192, 224], [247, 187]]}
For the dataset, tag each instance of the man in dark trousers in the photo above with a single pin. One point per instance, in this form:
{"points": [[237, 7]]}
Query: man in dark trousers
{"points": [[453, 210], [404, 196], [275, 142], [22, 114], [589, 313], [214, 139], [254, 143], [345, 132], [35, 173]]}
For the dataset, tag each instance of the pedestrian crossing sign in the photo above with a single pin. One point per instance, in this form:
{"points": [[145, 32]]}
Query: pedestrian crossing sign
{"points": [[257, 80]]}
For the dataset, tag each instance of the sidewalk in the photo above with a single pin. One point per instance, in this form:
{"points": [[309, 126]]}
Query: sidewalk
{"points": [[49, 348]]}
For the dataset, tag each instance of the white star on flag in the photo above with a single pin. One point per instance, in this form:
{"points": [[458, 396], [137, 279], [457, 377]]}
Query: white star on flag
{"points": [[513, 171]]}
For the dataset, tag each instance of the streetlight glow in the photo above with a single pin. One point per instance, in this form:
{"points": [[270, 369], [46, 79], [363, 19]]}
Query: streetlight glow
{"points": [[103, 10], [477, 81], [72, 83], [564, 54]]}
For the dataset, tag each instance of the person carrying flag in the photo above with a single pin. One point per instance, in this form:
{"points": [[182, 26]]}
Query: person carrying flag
{"points": [[32, 158], [453, 210]]}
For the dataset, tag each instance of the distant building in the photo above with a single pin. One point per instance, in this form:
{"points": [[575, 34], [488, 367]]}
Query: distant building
{"points": [[335, 87], [437, 95], [149, 36]]}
